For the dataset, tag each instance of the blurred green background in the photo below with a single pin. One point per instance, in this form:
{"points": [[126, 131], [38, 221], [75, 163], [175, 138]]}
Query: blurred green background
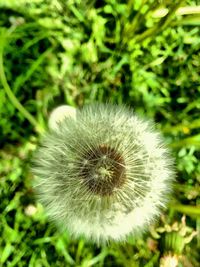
{"points": [[143, 53]]}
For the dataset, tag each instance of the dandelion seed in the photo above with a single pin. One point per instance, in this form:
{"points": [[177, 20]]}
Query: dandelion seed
{"points": [[104, 173]]}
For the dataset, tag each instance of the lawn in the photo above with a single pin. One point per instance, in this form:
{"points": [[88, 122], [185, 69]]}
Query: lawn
{"points": [[144, 54]]}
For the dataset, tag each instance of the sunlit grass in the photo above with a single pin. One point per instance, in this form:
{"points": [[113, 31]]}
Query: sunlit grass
{"points": [[77, 52]]}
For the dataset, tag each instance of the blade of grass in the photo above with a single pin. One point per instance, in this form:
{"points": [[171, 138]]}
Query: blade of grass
{"points": [[25, 76], [187, 209], [195, 124], [191, 141], [8, 249], [99, 258], [181, 11], [4, 36], [163, 23]]}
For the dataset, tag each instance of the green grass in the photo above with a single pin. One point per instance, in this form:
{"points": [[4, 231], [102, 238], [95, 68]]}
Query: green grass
{"points": [[77, 52]]}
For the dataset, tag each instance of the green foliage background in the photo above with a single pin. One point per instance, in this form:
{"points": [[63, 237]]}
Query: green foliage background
{"points": [[76, 52]]}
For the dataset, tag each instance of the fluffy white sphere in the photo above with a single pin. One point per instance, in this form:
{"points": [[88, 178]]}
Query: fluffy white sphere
{"points": [[58, 115], [104, 174]]}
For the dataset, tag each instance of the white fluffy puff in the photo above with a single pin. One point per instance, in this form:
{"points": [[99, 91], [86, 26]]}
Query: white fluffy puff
{"points": [[103, 174], [58, 115]]}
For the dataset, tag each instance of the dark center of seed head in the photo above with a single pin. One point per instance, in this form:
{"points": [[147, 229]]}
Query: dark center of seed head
{"points": [[103, 170]]}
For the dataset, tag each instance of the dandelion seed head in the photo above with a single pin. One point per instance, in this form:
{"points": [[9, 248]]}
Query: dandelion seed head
{"points": [[104, 174]]}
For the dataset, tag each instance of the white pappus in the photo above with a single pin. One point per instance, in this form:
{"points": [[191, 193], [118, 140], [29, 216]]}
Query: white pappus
{"points": [[103, 173]]}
